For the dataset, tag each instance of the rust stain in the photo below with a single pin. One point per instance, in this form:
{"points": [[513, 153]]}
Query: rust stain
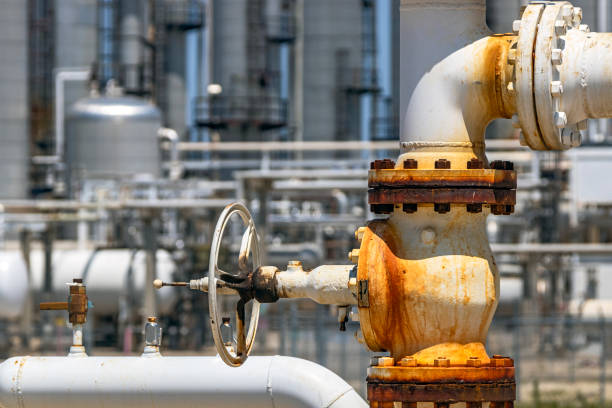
{"points": [[411, 307]]}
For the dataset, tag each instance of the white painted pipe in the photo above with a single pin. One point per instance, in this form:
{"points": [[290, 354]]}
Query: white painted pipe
{"points": [[585, 75], [109, 382]]}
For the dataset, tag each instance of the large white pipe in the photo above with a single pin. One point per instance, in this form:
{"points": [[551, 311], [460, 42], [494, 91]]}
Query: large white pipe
{"points": [[112, 382]]}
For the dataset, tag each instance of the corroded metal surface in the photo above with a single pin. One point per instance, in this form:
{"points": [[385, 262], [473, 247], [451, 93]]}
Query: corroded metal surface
{"points": [[444, 384], [442, 195], [431, 280], [471, 185], [472, 178]]}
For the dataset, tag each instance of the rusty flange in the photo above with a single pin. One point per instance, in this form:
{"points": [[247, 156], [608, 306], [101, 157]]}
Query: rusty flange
{"points": [[443, 383], [472, 186]]}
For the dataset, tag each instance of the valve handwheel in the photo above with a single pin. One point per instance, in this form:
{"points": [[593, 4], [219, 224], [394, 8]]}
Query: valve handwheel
{"points": [[249, 251]]}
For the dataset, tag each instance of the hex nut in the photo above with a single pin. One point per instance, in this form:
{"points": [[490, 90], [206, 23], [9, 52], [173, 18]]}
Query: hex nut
{"points": [[498, 361], [411, 164], [584, 28], [474, 208], [473, 362], [442, 208], [386, 362], [556, 88], [408, 362], [359, 233], [475, 164], [512, 56], [353, 256], [560, 27], [442, 164], [556, 56], [516, 26], [441, 362], [510, 87], [567, 12], [410, 208], [577, 15], [560, 119]]}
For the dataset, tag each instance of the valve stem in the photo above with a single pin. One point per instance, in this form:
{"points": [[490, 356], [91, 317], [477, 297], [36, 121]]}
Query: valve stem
{"points": [[158, 284]]}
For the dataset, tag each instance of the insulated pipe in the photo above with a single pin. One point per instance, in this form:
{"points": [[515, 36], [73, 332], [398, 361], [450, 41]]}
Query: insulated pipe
{"points": [[108, 382], [62, 76]]}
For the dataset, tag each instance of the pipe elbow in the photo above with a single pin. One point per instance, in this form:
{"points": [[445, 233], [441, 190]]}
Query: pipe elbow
{"points": [[456, 99], [289, 377]]}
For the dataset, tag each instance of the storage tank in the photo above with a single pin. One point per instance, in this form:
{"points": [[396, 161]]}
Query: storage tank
{"points": [[112, 136], [13, 284]]}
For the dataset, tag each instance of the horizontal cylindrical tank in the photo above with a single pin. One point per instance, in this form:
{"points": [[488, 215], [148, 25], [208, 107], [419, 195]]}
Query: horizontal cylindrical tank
{"points": [[112, 136], [13, 284], [106, 274]]}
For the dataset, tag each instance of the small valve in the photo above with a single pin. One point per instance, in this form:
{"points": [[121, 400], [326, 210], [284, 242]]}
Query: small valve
{"points": [[153, 337], [77, 307]]}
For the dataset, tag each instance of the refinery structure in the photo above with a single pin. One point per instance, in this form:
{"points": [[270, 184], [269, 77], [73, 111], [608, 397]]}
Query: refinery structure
{"points": [[305, 203]]}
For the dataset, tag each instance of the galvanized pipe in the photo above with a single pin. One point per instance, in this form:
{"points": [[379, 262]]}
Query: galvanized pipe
{"points": [[109, 382]]}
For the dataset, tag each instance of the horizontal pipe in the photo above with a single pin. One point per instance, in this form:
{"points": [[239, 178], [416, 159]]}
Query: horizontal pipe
{"points": [[553, 248], [177, 382]]}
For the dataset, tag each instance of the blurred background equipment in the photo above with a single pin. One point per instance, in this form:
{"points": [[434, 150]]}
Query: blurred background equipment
{"points": [[281, 104]]}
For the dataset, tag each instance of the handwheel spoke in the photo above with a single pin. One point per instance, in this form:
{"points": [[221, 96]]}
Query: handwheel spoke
{"points": [[245, 249], [228, 277], [240, 332]]}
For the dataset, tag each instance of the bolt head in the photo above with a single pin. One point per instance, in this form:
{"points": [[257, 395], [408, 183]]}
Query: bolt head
{"points": [[560, 119], [567, 12], [577, 15], [560, 27], [386, 362], [556, 56], [359, 233], [584, 28], [556, 88], [353, 256], [294, 263], [441, 362], [511, 56], [408, 362], [473, 362], [516, 26]]}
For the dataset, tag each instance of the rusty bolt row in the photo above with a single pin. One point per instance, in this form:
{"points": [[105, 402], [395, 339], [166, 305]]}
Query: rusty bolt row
{"points": [[442, 362], [442, 208], [382, 164]]}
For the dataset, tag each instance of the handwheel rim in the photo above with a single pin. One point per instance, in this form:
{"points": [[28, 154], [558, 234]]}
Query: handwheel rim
{"points": [[251, 245]]}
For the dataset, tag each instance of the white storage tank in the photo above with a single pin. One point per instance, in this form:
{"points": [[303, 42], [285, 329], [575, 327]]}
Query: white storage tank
{"points": [[13, 284], [112, 136]]}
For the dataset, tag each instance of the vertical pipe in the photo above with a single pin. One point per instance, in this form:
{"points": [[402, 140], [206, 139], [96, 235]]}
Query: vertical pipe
{"points": [[48, 236], [149, 239], [446, 26]]}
